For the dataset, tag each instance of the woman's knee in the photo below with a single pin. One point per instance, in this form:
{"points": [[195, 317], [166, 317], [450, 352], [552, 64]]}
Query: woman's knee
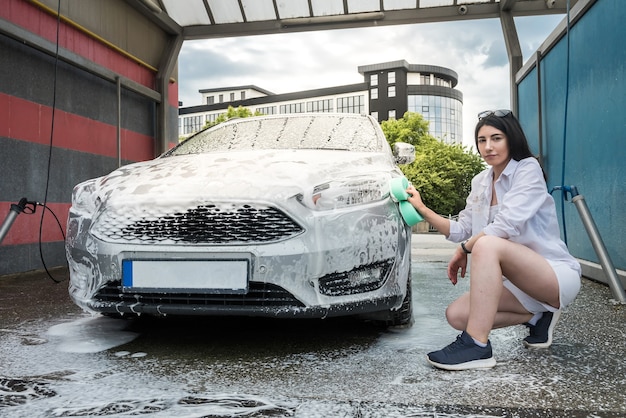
{"points": [[487, 243], [457, 316]]}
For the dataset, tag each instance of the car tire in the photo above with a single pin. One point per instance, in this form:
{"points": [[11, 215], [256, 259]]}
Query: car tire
{"points": [[403, 317]]}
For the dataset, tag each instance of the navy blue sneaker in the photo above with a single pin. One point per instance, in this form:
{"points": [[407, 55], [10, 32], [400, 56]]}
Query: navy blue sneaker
{"points": [[541, 333], [463, 354]]}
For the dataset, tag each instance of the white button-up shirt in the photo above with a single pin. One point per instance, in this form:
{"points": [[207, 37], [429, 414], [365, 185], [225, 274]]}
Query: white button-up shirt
{"points": [[527, 213]]}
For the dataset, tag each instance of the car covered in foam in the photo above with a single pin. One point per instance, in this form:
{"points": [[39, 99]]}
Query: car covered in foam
{"points": [[279, 216]]}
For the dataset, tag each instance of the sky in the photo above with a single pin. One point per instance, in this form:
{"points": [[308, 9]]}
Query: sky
{"points": [[285, 63]]}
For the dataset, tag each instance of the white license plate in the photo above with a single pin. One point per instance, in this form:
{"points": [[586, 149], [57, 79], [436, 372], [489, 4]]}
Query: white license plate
{"points": [[185, 276]]}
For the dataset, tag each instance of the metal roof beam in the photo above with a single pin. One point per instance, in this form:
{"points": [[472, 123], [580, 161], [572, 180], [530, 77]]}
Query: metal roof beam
{"points": [[507, 5], [156, 15], [514, 53], [168, 63], [383, 18]]}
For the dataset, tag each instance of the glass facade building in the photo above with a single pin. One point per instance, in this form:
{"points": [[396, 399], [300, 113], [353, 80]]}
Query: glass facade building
{"points": [[398, 87], [444, 114]]}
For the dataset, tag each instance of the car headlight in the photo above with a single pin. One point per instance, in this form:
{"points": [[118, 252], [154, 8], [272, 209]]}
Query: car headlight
{"points": [[84, 198], [346, 192]]}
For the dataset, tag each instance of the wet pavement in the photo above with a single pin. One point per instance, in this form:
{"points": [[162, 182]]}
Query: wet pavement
{"points": [[56, 361]]}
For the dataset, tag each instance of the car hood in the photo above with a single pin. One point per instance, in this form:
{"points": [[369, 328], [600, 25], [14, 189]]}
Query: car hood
{"points": [[246, 175]]}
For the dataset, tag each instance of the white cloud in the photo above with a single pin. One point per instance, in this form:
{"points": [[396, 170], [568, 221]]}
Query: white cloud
{"points": [[301, 61]]}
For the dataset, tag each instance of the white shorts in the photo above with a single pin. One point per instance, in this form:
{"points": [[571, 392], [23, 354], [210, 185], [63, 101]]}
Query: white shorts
{"points": [[569, 285]]}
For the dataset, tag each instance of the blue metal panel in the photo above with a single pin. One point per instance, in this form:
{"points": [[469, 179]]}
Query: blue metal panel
{"points": [[527, 104], [595, 139]]}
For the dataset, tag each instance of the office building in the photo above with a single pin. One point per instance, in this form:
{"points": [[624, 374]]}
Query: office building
{"points": [[388, 91]]}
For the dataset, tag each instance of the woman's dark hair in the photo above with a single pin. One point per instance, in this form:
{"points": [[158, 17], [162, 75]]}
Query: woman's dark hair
{"points": [[510, 126]]}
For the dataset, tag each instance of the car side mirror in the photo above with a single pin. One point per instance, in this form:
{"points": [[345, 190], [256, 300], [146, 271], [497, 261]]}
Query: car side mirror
{"points": [[403, 153]]}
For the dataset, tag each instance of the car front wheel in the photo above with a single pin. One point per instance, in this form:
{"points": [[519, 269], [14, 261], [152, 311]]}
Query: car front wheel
{"points": [[403, 317]]}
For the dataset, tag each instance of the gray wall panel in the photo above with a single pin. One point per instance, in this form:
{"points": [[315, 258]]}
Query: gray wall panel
{"points": [[24, 165], [21, 258], [29, 75]]}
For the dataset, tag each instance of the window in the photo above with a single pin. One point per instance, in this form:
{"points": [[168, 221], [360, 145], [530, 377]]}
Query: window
{"points": [[374, 94], [392, 114], [212, 117], [374, 80], [210, 100], [425, 79], [292, 108], [320, 106], [352, 104], [232, 97], [442, 82], [192, 124], [391, 77], [391, 91], [269, 110], [374, 115], [243, 95], [221, 98], [445, 116]]}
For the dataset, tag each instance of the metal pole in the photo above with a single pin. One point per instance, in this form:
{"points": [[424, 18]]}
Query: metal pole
{"points": [[598, 246], [15, 210], [118, 84], [539, 110]]}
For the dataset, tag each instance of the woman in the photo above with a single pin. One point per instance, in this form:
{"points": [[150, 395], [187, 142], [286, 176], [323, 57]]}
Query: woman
{"points": [[521, 271]]}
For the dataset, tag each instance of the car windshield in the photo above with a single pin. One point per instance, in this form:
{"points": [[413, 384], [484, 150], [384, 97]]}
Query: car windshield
{"points": [[336, 132]]}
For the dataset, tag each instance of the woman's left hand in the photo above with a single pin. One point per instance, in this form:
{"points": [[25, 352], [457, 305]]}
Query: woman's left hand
{"points": [[458, 262]]}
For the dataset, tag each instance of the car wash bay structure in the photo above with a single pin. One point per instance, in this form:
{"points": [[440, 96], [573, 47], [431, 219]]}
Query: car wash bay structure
{"points": [[88, 86]]}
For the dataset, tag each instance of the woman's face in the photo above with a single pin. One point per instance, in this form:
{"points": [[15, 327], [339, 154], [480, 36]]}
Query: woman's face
{"points": [[493, 146]]}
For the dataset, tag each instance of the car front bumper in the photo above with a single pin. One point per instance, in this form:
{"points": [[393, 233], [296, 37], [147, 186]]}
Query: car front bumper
{"points": [[325, 271]]}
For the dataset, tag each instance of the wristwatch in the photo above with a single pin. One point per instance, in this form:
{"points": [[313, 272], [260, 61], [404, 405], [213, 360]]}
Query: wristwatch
{"points": [[464, 248]]}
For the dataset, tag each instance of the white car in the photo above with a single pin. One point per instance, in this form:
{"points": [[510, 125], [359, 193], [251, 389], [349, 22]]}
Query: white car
{"points": [[279, 216]]}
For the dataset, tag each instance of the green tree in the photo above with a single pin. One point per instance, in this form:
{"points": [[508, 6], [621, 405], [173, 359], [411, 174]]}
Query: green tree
{"points": [[441, 172], [410, 129], [231, 112]]}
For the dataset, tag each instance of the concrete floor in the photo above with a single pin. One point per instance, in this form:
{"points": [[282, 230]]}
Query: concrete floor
{"points": [[583, 371], [329, 368]]}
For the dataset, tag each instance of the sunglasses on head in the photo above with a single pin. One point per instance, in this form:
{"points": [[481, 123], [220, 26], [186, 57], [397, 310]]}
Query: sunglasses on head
{"points": [[499, 113]]}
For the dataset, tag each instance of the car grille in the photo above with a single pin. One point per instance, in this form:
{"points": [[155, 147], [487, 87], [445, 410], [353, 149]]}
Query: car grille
{"points": [[204, 224], [259, 295]]}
